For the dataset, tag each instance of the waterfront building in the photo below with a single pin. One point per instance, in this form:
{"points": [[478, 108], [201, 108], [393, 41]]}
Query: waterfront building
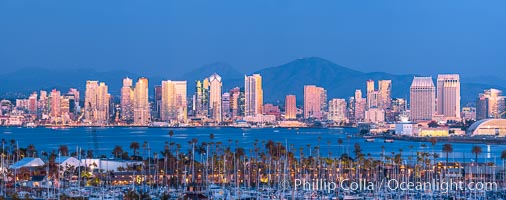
{"points": [[488, 127], [422, 99], [253, 94], [490, 104], [404, 128], [337, 110], [375, 115], [469, 113], [433, 132], [270, 109], [141, 111], [215, 85], [290, 107], [448, 96], [126, 100], [314, 102]]}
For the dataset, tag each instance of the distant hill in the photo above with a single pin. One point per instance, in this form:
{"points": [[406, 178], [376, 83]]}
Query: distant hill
{"points": [[339, 81], [278, 81]]}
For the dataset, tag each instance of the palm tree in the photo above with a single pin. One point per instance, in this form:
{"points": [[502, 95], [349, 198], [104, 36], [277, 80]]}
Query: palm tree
{"points": [[31, 150], [447, 148], [476, 150], [135, 146], [63, 149], [117, 151], [171, 133]]}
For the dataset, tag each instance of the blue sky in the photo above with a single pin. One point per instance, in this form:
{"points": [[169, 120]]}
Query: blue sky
{"points": [[170, 37]]}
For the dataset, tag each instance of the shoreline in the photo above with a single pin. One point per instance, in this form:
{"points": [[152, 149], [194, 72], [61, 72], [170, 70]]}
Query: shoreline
{"points": [[451, 139]]}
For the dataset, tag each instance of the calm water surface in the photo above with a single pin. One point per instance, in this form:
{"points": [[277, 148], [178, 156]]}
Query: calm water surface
{"points": [[103, 140]]}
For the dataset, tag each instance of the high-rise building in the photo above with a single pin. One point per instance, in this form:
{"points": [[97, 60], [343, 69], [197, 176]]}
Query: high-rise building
{"points": [[290, 107], [314, 102], [55, 103], [422, 99], [337, 110], [253, 93], [126, 100], [103, 100], [375, 115], [201, 98], [158, 102], [385, 92], [77, 99], [225, 104], [43, 104], [448, 96], [173, 101], [141, 109], [168, 110], [235, 103], [32, 103], [490, 104], [181, 102], [360, 106], [215, 85], [90, 101]]}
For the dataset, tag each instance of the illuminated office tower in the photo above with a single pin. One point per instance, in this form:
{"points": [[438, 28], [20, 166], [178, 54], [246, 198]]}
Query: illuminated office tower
{"points": [[158, 102], [168, 103], [225, 106], [55, 103], [490, 104], [290, 107], [215, 96], [314, 105], [76, 94], [422, 99], [360, 105], [32, 103], [235, 102], [90, 101], [448, 96], [337, 110], [43, 104], [102, 103], [385, 92], [142, 115], [201, 98], [181, 102], [372, 95], [126, 100], [253, 93]]}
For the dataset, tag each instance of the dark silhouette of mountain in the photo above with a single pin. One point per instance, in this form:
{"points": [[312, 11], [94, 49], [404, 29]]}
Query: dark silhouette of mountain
{"points": [[339, 81], [278, 81]]}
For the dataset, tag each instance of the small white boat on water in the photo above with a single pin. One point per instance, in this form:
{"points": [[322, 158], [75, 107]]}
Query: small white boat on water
{"points": [[389, 140], [369, 139]]}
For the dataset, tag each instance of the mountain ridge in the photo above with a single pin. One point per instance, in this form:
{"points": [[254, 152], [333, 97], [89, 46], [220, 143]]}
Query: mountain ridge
{"points": [[278, 81]]}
